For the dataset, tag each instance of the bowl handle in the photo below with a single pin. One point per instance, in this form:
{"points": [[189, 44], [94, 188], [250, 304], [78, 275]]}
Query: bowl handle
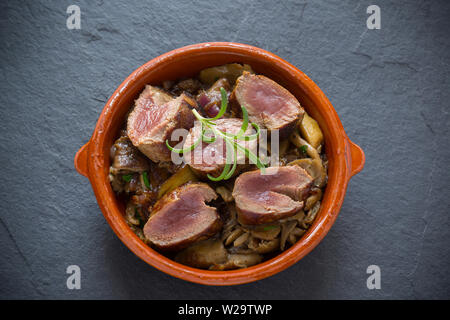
{"points": [[81, 160], [357, 158]]}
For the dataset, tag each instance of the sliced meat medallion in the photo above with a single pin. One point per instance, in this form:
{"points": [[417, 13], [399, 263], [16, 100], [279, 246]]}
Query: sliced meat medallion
{"points": [[268, 104], [275, 195], [155, 116], [210, 158], [181, 217]]}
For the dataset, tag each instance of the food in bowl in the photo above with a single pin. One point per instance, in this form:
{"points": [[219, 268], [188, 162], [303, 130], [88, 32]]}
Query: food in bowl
{"points": [[234, 200]]}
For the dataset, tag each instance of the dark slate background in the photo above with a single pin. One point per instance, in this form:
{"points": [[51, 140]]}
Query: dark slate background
{"points": [[390, 88]]}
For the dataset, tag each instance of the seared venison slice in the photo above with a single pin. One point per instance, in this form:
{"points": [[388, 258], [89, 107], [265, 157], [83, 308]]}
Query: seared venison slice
{"points": [[210, 158], [181, 217], [266, 198], [155, 116], [268, 104]]}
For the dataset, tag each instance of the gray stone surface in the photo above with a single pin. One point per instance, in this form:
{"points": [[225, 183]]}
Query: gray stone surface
{"points": [[390, 88]]}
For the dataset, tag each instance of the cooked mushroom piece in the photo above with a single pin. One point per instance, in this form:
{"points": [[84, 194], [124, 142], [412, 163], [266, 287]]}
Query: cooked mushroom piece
{"points": [[286, 229], [311, 131], [264, 246], [238, 260], [229, 71], [300, 143], [266, 232], [316, 195], [181, 217], [127, 157], [225, 193], [314, 167], [203, 254]]}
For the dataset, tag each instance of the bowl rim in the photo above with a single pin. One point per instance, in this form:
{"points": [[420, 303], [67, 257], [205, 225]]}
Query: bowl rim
{"points": [[349, 161]]}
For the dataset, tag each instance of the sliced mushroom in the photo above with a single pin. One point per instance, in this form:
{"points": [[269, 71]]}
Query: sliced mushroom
{"points": [[238, 261], [225, 194], [298, 232], [316, 195], [233, 236], [299, 143], [230, 222], [299, 216], [286, 228], [315, 169], [292, 239], [229, 71], [268, 232], [242, 239], [312, 213], [130, 215], [264, 246], [310, 129], [284, 145], [203, 254]]}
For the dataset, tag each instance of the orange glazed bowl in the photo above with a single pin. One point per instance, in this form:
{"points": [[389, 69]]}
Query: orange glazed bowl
{"points": [[345, 158]]}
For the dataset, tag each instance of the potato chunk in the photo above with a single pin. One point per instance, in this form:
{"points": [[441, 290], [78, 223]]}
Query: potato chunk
{"points": [[310, 130], [179, 178]]}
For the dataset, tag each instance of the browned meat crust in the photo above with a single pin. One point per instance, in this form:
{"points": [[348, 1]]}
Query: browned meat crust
{"points": [[210, 158], [268, 104], [266, 198], [155, 116], [181, 217]]}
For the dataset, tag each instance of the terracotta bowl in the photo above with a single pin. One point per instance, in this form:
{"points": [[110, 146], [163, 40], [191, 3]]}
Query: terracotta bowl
{"points": [[345, 158]]}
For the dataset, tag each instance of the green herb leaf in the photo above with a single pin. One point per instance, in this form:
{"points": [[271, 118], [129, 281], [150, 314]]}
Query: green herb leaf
{"points": [[230, 139], [222, 175], [244, 123], [127, 177], [233, 168], [208, 139], [304, 148], [185, 150], [269, 228], [223, 105], [145, 178]]}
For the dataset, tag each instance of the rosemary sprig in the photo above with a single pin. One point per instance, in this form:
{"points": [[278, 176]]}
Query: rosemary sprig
{"points": [[209, 134]]}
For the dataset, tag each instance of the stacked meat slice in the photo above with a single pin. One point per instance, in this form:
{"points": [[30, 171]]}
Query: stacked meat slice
{"points": [[279, 193], [182, 217], [210, 158], [155, 116]]}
